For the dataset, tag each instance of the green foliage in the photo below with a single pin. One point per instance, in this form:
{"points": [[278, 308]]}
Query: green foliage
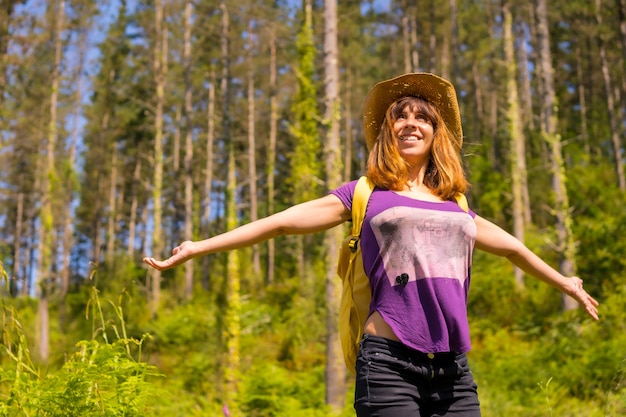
{"points": [[269, 390], [102, 379], [99, 379], [529, 360], [571, 366], [489, 187], [599, 224], [305, 165]]}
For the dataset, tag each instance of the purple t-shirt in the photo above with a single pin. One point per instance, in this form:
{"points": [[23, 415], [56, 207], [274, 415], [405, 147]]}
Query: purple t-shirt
{"points": [[418, 257]]}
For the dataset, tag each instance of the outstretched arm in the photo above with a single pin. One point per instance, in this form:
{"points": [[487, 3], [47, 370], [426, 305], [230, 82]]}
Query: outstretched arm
{"points": [[312, 216], [493, 239]]}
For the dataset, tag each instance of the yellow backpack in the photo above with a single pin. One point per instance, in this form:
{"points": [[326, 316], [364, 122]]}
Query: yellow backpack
{"points": [[356, 295]]}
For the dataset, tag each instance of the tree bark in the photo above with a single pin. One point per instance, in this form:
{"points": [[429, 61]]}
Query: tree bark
{"points": [[519, 180], [232, 307], [406, 42], [614, 123], [17, 246], [160, 69], [566, 243], [49, 190], [455, 71], [348, 145], [271, 149], [188, 160], [208, 179], [110, 245], [335, 368], [6, 13], [232, 310], [254, 212], [70, 188], [621, 13], [582, 100], [134, 203], [526, 96], [432, 39]]}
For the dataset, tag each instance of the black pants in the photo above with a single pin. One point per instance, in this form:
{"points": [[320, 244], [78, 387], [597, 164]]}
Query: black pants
{"points": [[393, 380]]}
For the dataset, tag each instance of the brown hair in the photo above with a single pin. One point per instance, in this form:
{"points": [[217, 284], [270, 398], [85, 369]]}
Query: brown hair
{"points": [[387, 169]]}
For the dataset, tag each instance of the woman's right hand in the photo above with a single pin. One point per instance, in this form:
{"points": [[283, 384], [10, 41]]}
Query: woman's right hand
{"points": [[180, 254]]}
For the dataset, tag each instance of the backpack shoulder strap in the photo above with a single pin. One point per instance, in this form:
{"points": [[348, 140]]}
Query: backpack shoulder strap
{"points": [[461, 200], [362, 193]]}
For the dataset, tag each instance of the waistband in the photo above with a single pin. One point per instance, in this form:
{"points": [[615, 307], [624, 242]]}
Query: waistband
{"points": [[399, 349]]}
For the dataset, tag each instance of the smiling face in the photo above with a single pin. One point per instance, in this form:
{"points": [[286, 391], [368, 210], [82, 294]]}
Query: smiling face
{"points": [[414, 143], [413, 122]]}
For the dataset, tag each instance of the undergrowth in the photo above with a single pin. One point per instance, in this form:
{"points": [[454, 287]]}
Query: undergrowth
{"points": [[102, 377]]}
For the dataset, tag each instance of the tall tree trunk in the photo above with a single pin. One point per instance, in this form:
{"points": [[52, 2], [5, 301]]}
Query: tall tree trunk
{"points": [[518, 147], [254, 211], [232, 307], [97, 227], [29, 254], [614, 123], [188, 161], [566, 241], [335, 368], [305, 166], [582, 100], [160, 69], [70, 187], [49, 190], [134, 203], [432, 39], [406, 42], [492, 96], [232, 310], [176, 142], [541, 89], [347, 148], [110, 245], [455, 71], [271, 149], [621, 13], [208, 179], [178, 192], [523, 67], [409, 37], [479, 107], [415, 58], [6, 13], [17, 246]]}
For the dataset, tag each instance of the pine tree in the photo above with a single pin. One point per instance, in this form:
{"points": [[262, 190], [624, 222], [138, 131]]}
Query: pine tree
{"points": [[335, 368]]}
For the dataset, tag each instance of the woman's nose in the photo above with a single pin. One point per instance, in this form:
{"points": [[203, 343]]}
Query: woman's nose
{"points": [[411, 121]]}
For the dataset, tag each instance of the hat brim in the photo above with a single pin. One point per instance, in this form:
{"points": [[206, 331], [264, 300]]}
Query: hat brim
{"points": [[430, 87]]}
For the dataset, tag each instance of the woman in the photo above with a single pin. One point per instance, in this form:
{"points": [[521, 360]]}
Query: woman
{"points": [[412, 360]]}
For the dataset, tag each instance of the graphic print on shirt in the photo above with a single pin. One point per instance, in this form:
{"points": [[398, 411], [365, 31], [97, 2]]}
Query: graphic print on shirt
{"points": [[423, 243]]}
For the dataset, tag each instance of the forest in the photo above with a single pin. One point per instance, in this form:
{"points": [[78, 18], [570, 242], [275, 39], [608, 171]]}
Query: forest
{"points": [[129, 126]]}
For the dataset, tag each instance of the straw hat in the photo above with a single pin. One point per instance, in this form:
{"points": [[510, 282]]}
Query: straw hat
{"points": [[430, 87]]}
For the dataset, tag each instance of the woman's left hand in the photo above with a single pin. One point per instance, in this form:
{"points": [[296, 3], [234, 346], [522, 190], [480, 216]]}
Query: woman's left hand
{"points": [[575, 290]]}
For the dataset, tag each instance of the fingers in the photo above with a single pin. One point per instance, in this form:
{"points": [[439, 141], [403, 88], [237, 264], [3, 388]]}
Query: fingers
{"points": [[154, 263], [179, 255], [159, 265], [589, 303]]}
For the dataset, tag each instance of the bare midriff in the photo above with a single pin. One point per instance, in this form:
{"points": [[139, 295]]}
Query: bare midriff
{"points": [[375, 325]]}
